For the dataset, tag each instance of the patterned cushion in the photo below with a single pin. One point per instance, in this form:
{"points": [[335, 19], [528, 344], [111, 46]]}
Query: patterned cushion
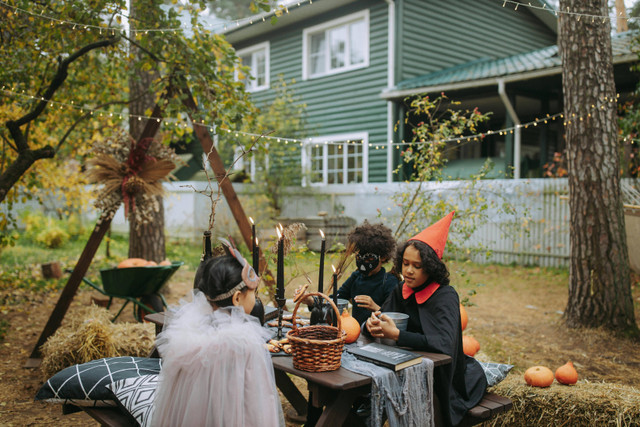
{"points": [[137, 395], [85, 384], [495, 372]]}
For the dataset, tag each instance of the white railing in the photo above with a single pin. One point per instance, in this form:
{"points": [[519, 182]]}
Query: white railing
{"points": [[537, 235]]}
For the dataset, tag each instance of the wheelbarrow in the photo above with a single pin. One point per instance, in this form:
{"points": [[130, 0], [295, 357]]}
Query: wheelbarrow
{"points": [[138, 285]]}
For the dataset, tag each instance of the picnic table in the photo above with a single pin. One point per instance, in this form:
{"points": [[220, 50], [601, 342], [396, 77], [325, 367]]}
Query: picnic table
{"points": [[336, 391]]}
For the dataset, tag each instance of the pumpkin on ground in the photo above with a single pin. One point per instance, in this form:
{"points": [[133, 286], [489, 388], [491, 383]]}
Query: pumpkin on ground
{"points": [[470, 345], [464, 318], [538, 376], [567, 374], [350, 326], [133, 262]]}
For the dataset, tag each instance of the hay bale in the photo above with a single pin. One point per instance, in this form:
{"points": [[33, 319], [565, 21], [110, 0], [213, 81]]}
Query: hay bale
{"points": [[583, 404], [88, 334]]}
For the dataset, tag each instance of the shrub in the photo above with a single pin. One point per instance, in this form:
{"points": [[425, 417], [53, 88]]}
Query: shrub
{"points": [[52, 238]]}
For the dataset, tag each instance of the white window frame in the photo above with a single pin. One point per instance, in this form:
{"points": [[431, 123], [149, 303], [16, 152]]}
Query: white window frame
{"points": [[252, 83], [324, 142], [325, 27]]}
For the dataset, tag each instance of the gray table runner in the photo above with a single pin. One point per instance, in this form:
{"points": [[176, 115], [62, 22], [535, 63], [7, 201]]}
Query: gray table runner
{"points": [[405, 396]]}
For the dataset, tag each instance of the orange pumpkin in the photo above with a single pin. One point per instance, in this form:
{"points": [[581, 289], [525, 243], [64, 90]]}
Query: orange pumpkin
{"points": [[350, 326], [165, 262], [538, 376], [132, 262], [464, 318], [470, 345], [567, 374], [151, 263]]}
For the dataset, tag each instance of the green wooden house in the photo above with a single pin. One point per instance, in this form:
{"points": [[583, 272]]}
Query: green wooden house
{"points": [[354, 62]]}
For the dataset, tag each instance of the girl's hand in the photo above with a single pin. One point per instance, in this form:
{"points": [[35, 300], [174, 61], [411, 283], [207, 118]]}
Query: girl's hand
{"points": [[365, 301], [382, 326]]}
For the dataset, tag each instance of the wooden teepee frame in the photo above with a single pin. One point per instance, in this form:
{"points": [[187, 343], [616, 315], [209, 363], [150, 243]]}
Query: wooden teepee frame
{"points": [[89, 251]]}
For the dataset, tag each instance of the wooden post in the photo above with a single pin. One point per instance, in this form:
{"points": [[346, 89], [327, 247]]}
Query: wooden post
{"points": [[217, 165], [69, 291], [89, 251]]}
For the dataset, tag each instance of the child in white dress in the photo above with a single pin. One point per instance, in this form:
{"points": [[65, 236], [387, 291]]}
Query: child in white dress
{"points": [[216, 370]]}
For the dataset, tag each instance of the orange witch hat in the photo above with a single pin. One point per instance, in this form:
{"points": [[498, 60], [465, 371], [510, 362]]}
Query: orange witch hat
{"points": [[436, 234]]}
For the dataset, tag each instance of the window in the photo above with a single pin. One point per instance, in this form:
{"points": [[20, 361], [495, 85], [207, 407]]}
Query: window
{"points": [[257, 59], [338, 159], [336, 46]]}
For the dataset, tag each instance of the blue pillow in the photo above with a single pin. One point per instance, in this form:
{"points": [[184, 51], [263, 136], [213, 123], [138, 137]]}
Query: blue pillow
{"points": [[86, 384]]}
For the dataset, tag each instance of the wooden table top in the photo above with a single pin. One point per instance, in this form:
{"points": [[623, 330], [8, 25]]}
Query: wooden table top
{"points": [[340, 379]]}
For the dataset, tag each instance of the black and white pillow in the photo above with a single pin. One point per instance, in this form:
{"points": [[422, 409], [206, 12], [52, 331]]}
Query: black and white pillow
{"points": [[495, 372], [137, 395], [86, 384]]}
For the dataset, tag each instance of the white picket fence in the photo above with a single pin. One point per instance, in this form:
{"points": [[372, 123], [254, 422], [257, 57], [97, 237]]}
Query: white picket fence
{"points": [[537, 235]]}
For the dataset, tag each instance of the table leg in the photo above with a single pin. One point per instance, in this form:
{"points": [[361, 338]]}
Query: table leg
{"points": [[291, 392], [337, 411]]}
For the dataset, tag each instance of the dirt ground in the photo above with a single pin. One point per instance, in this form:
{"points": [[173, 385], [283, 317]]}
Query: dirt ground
{"points": [[517, 318]]}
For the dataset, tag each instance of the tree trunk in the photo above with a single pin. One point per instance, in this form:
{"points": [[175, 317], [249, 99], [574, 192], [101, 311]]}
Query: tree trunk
{"points": [[149, 241], [622, 24], [600, 285]]}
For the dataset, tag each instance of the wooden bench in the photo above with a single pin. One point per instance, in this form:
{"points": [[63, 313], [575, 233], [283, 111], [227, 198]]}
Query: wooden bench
{"points": [[490, 406], [106, 416]]}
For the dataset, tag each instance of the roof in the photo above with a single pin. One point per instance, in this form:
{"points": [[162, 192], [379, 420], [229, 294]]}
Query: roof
{"points": [[299, 10], [487, 71], [294, 11]]}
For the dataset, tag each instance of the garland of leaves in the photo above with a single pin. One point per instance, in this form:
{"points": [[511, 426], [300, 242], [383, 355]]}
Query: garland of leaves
{"points": [[130, 173]]}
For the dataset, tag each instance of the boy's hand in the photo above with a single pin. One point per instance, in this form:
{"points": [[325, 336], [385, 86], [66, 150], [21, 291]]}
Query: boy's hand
{"points": [[365, 301], [382, 326]]}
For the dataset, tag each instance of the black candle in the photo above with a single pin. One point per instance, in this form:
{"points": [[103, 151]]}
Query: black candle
{"points": [[334, 280], [256, 256], [280, 273], [321, 272], [254, 249]]}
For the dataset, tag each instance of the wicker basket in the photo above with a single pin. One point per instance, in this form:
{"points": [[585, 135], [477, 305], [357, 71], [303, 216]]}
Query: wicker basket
{"points": [[316, 348]]}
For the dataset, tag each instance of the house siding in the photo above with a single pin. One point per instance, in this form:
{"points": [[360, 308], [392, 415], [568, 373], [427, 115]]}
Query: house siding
{"points": [[329, 109], [461, 31]]}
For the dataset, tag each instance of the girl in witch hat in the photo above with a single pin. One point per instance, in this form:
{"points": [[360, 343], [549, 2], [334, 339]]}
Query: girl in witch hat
{"points": [[434, 320]]}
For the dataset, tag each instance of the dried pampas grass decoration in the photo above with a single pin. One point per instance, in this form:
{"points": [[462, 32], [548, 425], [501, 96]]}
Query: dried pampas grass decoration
{"points": [[88, 334], [130, 173], [289, 233]]}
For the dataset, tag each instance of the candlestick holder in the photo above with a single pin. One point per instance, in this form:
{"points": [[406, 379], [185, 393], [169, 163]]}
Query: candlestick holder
{"points": [[280, 302]]}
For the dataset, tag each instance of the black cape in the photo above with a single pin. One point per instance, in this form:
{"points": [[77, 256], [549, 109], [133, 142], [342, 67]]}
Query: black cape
{"points": [[434, 326]]}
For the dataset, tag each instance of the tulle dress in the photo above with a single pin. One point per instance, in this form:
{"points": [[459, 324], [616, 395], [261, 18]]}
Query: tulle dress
{"points": [[215, 369]]}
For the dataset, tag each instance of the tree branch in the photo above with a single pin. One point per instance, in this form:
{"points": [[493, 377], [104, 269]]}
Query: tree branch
{"points": [[56, 82], [87, 114]]}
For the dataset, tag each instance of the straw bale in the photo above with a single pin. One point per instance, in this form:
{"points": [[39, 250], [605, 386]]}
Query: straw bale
{"points": [[583, 404], [88, 334]]}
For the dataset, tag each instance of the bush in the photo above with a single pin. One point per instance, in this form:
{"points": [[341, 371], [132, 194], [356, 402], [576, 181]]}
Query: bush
{"points": [[52, 238], [51, 232]]}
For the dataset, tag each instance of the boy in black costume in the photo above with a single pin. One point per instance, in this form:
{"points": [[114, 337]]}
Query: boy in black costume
{"points": [[434, 320]]}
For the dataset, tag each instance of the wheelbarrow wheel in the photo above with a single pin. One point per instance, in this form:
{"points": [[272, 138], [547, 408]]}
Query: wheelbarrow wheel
{"points": [[153, 301]]}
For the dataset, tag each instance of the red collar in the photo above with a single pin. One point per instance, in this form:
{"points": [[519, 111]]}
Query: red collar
{"points": [[422, 295]]}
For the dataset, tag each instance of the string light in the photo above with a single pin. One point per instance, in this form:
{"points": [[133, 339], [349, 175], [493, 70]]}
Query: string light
{"points": [[568, 12], [179, 124], [90, 27]]}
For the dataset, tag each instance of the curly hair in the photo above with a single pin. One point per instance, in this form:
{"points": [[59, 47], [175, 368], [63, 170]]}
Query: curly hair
{"points": [[431, 263], [373, 238]]}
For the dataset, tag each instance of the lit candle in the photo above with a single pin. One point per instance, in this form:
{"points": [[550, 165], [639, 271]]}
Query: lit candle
{"points": [[334, 282], [256, 256], [321, 273], [280, 273]]}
